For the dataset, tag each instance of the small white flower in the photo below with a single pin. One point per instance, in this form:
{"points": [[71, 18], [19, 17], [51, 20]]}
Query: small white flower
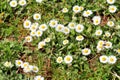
{"points": [[96, 20], [112, 9], [98, 32], [53, 23], [71, 25], [110, 23], [39, 33], [35, 69], [18, 63], [27, 24], [28, 39], [64, 10], [41, 44], [86, 51], [103, 59], [59, 28], [39, 78], [43, 27], [68, 59], [100, 47], [79, 28], [13, 3], [108, 45], [66, 30], [59, 60], [28, 69], [39, 1], [79, 38], [118, 51], [25, 64], [37, 16], [47, 40], [34, 27], [110, 1], [107, 34], [65, 42], [112, 59], [101, 42], [22, 2], [81, 8], [8, 64], [87, 13], [33, 33], [76, 9]]}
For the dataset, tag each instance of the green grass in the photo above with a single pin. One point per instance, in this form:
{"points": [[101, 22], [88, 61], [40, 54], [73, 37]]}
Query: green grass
{"points": [[12, 46]]}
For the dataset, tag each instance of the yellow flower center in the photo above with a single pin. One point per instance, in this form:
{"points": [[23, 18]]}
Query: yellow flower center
{"points": [[53, 23], [27, 23], [85, 51], [68, 59], [118, 50], [13, 3], [87, 12], [76, 8], [18, 63], [37, 16], [103, 59], [43, 27], [111, 59]]}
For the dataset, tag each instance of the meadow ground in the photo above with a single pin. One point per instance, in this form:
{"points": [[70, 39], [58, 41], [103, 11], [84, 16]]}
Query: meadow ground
{"points": [[59, 39]]}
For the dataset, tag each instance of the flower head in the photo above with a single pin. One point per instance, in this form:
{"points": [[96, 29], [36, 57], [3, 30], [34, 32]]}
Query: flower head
{"points": [[71, 25], [64, 10], [28, 39], [112, 59], [103, 59], [13, 3], [86, 51], [79, 38], [59, 60], [98, 32], [37, 16], [112, 9], [110, 23], [39, 78], [65, 42], [76, 9], [18, 63], [8, 64], [53, 23], [27, 24], [87, 13], [68, 59], [79, 28], [43, 27], [110, 1], [96, 20], [22, 2]]}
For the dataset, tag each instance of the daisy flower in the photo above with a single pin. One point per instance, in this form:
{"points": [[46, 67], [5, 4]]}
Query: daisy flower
{"points": [[108, 45], [59, 28], [22, 2], [100, 47], [39, 33], [79, 28], [35, 69], [65, 42], [39, 1], [37, 16], [13, 3], [41, 44], [25, 64], [81, 8], [59, 60], [71, 25], [28, 39], [39, 78], [47, 40], [103, 59], [86, 51], [28, 69], [79, 38], [112, 59], [64, 10], [101, 42], [76, 9], [112, 9], [118, 51], [34, 27], [53, 23], [68, 59], [43, 27], [27, 24], [66, 30], [87, 13], [33, 33], [96, 20], [98, 32], [107, 34], [110, 23], [8, 64], [110, 1], [18, 63]]}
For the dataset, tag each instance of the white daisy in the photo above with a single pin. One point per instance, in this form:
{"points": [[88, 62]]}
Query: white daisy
{"points": [[25, 64], [98, 32], [76, 9], [86, 51], [39, 1], [59, 60], [27, 24], [13, 3], [87, 13], [64, 10], [39, 33], [65, 42], [39, 78], [53, 23], [110, 23], [28, 69], [110, 1], [79, 38], [37, 16], [22, 2], [47, 40], [107, 34], [28, 39], [8, 64], [68, 59], [41, 44], [118, 51], [59, 28], [112, 59], [112, 9], [43, 27], [66, 30], [18, 63], [101, 42], [81, 8], [96, 20], [100, 47], [108, 44], [79, 28], [34, 27], [103, 59], [35, 69], [71, 25], [33, 33]]}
